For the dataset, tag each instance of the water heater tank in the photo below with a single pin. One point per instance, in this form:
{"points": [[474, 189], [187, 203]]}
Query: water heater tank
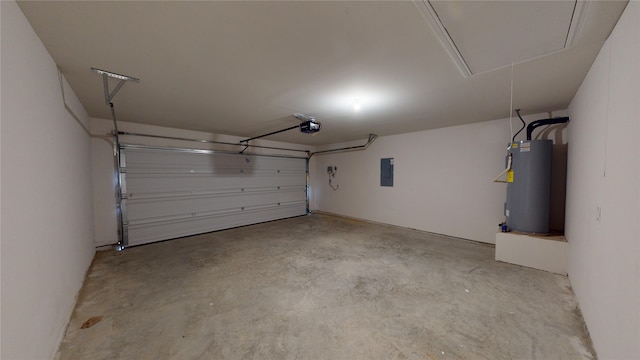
{"points": [[529, 186]]}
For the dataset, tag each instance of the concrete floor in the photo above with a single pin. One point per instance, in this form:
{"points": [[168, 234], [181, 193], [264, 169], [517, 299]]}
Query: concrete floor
{"points": [[322, 287]]}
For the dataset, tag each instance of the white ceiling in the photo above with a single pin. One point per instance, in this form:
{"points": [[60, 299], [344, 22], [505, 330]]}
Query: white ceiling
{"points": [[243, 68]]}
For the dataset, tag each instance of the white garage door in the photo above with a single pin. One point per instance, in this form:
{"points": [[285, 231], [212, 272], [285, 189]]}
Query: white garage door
{"points": [[170, 193]]}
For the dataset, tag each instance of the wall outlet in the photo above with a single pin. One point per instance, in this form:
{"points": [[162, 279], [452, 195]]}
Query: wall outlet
{"points": [[598, 213]]}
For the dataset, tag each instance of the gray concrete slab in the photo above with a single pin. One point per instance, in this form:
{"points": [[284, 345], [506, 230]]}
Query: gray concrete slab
{"points": [[322, 287]]}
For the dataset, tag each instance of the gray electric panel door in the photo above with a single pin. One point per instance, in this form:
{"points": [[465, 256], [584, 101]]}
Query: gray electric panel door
{"points": [[170, 193], [386, 172], [529, 187]]}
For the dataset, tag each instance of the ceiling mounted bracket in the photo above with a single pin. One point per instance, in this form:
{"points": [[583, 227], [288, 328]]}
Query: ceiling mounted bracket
{"points": [[108, 96]]}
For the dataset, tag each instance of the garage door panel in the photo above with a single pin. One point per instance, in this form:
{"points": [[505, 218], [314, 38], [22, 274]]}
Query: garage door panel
{"points": [[162, 183], [193, 204], [221, 163], [133, 195], [149, 232], [275, 180], [140, 172], [138, 157], [171, 193]]}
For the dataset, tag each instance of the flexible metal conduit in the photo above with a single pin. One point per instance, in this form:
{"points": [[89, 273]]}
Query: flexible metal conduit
{"points": [[372, 138]]}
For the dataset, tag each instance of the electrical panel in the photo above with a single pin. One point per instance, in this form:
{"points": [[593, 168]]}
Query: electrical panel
{"points": [[386, 172]]}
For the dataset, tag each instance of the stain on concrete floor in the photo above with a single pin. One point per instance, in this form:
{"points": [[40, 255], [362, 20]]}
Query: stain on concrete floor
{"points": [[322, 287]]}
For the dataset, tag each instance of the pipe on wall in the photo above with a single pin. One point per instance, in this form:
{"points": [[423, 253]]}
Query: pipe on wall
{"points": [[534, 124]]}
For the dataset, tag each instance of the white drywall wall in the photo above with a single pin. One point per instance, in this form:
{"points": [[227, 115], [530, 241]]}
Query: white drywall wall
{"points": [[443, 179], [603, 184], [103, 166], [47, 228]]}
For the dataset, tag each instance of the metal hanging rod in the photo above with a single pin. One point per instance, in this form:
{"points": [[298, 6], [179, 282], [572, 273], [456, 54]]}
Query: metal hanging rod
{"points": [[308, 125], [108, 97], [271, 133], [210, 141], [372, 138]]}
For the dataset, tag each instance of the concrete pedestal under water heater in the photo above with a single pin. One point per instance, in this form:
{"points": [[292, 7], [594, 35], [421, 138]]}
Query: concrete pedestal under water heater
{"points": [[529, 186]]}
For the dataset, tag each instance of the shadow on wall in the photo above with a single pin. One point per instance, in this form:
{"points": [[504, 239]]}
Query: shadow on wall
{"points": [[556, 133]]}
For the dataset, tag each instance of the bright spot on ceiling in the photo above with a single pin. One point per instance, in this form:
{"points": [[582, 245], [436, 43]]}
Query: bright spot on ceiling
{"points": [[357, 100]]}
